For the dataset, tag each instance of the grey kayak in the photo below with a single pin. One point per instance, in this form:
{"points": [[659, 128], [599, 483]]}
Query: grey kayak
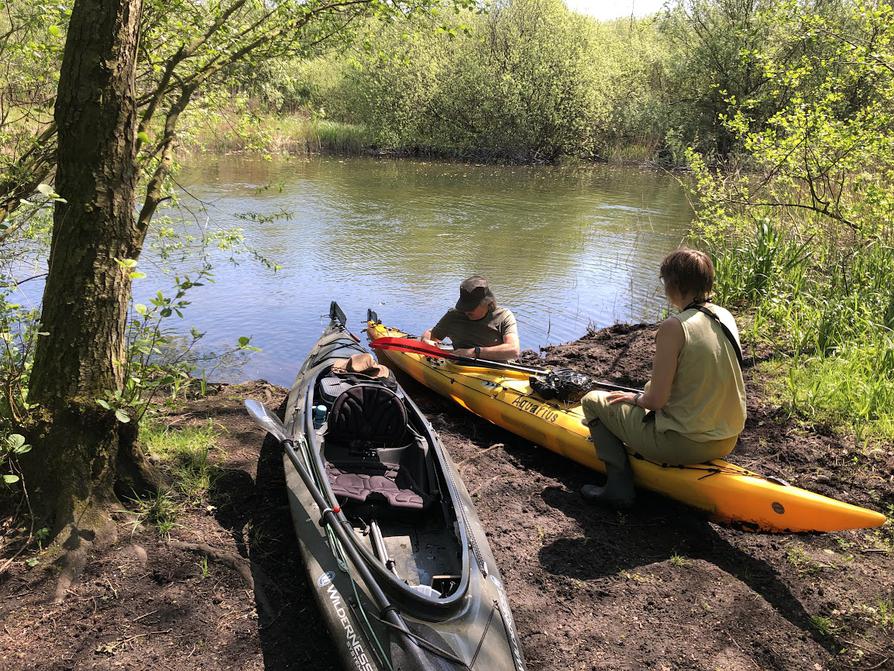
{"points": [[396, 556]]}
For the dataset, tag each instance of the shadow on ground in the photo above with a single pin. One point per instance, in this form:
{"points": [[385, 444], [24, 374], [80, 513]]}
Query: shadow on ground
{"points": [[256, 513], [658, 529]]}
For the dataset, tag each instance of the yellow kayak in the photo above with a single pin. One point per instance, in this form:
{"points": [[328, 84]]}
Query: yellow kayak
{"points": [[728, 493]]}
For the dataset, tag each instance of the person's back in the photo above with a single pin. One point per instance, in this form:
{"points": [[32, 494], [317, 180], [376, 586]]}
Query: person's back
{"points": [[693, 408], [707, 398]]}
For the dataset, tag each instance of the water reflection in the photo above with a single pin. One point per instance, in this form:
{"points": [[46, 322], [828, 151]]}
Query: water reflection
{"points": [[563, 247]]}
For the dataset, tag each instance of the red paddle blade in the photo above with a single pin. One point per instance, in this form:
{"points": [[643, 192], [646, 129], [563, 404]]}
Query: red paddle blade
{"points": [[411, 345]]}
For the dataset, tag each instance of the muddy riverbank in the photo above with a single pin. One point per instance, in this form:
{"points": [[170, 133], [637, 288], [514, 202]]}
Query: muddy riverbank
{"points": [[654, 588]]}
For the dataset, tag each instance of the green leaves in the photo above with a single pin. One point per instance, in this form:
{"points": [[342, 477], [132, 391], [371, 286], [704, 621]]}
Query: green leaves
{"points": [[47, 190], [116, 402], [11, 446], [128, 265], [15, 444], [531, 82], [801, 236]]}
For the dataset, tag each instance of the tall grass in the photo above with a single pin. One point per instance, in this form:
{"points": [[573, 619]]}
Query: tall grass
{"points": [[828, 307], [297, 134], [334, 137]]}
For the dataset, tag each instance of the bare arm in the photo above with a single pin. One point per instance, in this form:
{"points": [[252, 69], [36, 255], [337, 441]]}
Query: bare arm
{"points": [[668, 343], [508, 349]]}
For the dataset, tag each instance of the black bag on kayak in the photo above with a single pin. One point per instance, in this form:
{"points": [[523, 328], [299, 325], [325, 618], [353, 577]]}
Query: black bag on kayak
{"points": [[562, 384]]}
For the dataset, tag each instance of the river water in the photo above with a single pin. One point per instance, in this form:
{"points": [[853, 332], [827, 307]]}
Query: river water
{"points": [[564, 248]]}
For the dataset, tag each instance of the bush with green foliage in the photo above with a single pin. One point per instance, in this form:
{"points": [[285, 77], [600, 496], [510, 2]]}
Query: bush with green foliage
{"points": [[529, 81], [804, 237]]}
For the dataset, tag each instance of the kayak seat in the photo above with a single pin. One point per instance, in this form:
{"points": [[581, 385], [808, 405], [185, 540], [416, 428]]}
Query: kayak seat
{"points": [[367, 415], [371, 456], [371, 483], [329, 388]]}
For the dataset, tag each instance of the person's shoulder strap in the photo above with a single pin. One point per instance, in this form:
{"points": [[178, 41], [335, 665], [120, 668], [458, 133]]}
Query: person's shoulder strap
{"points": [[729, 336]]}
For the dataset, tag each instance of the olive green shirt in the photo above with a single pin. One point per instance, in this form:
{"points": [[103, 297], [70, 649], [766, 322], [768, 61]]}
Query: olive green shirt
{"points": [[464, 333], [707, 398]]}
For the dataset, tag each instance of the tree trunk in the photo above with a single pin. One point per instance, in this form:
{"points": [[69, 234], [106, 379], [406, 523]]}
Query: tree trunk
{"points": [[80, 358]]}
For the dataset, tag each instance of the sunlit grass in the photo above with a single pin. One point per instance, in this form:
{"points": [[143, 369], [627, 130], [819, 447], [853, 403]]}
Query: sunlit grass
{"points": [[340, 138], [822, 625], [160, 510], [184, 452], [678, 560], [631, 152], [885, 613], [268, 133], [827, 310], [853, 388]]}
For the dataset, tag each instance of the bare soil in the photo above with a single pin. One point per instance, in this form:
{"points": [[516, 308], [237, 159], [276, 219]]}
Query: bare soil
{"points": [[657, 587]]}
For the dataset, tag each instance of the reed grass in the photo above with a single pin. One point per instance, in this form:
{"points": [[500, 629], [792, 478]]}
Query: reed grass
{"points": [[638, 153], [300, 135], [826, 306]]}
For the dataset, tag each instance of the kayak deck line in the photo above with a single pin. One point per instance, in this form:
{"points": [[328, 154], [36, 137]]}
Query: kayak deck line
{"points": [[710, 467], [727, 492]]}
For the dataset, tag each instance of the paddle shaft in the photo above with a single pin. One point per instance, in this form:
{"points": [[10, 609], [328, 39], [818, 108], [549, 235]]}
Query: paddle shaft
{"points": [[330, 519], [418, 347]]}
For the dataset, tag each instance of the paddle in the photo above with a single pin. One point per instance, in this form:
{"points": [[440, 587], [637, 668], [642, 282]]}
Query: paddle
{"points": [[420, 347], [271, 423]]}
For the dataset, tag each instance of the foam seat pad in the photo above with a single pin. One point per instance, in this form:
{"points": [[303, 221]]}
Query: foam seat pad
{"points": [[361, 482]]}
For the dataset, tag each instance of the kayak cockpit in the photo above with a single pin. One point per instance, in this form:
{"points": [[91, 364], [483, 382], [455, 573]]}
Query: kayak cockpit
{"points": [[381, 467], [373, 458]]}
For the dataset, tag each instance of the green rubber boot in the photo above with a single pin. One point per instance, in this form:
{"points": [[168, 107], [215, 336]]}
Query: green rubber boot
{"points": [[618, 490]]}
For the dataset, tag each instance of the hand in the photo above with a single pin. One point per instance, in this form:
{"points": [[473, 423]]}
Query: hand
{"points": [[622, 397], [468, 353]]}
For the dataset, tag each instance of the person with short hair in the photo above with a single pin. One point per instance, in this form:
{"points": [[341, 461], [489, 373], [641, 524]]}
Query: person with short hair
{"points": [[477, 326], [693, 408]]}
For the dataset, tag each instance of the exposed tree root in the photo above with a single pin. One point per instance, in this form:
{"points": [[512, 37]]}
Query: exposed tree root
{"points": [[227, 558], [96, 529], [232, 560]]}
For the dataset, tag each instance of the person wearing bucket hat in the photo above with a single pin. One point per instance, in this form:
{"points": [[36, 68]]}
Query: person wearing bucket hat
{"points": [[476, 326]]}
